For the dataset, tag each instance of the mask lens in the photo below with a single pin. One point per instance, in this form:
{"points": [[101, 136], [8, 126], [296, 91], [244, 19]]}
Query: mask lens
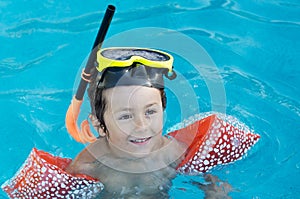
{"points": [[126, 54]]}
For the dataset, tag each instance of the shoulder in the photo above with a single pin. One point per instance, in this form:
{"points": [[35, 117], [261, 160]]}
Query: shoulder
{"points": [[87, 160], [82, 164], [174, 149]]}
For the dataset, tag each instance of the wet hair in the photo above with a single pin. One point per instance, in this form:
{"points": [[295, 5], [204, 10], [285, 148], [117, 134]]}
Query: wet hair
{"points": [[99, 103]]}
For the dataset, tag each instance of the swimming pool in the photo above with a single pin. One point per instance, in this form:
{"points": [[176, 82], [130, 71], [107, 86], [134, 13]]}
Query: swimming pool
{"points": [[254, 45]]}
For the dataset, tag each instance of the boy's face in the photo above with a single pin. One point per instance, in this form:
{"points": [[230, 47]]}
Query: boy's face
{"points": [[134, 119]]}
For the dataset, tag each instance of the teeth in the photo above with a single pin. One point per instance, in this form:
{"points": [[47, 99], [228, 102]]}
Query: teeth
{"points": [[142, 140], [139, 140]]}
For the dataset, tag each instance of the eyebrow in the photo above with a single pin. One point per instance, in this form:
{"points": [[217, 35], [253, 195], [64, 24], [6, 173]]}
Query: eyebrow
{"points": [[152, 104], [123, 109], [130, 109]]}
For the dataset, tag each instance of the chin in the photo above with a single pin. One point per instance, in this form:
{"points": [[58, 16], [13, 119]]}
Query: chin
{"points": [[140, 154]]}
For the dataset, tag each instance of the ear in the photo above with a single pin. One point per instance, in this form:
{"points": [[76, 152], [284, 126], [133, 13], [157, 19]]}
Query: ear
{"points": [[96, 124]]}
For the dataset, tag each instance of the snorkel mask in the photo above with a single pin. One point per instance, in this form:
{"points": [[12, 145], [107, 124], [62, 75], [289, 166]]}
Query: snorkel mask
{"points": [[134, 66]]}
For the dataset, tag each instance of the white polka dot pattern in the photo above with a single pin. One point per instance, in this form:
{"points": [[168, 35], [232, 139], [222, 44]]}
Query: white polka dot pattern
{"points": [[38, 178], [217, 142]]}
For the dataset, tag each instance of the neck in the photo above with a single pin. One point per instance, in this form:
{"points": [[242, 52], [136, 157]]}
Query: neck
{"points": [[132, 163]]}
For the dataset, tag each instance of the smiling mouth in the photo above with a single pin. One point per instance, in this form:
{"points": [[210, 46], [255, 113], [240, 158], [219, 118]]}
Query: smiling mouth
{"points": [[140, 140]]}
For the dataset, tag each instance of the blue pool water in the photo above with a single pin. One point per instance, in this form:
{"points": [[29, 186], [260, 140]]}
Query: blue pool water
{"points": [[254, 44]]}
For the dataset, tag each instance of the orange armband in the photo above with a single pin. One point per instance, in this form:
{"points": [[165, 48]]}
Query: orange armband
{"points": [[44, 176], [213, 141]]}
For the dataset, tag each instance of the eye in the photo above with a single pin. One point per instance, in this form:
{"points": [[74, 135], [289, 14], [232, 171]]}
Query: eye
{"points": [[150, 112], [125, 117]]}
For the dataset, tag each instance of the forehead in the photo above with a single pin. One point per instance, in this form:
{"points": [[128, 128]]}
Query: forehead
{"points": [[131, 96]]}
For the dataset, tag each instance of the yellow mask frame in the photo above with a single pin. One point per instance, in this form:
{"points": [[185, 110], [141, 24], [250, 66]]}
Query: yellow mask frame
{"points": [[126, 56]]}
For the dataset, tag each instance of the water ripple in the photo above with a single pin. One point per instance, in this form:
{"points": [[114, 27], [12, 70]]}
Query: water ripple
{"points": [[221, 38], [40, 108], [146, 12], [67, 25], [231, 7], [261, 19], [261, 90], [10, 66], [91, 20], [288, 4], [31, 97]]}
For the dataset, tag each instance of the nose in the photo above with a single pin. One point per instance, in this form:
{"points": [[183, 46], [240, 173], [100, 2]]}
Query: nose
{"points": [[141, 123]]}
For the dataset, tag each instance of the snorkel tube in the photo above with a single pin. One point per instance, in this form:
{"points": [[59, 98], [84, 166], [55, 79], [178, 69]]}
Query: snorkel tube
{"points": [[84, 134]]}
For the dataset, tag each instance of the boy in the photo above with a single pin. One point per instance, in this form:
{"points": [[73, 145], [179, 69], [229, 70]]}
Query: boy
{"points": [[131, 157]]}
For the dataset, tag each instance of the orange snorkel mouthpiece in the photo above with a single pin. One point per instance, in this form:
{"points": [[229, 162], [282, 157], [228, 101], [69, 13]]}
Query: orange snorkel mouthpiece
{"points": [[82, 134]]}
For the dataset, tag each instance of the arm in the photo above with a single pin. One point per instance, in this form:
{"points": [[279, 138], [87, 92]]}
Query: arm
{"points": [[214, 188], [43, 175]]}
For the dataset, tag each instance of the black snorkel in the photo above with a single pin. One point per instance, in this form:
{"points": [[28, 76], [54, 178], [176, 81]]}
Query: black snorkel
{"points": [[84, 134], [89, 70]]}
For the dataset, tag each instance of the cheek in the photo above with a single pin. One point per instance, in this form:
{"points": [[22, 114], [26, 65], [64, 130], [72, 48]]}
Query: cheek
{"points": [[116, 134], [117, 129], [124, 128], [156, 123]]}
